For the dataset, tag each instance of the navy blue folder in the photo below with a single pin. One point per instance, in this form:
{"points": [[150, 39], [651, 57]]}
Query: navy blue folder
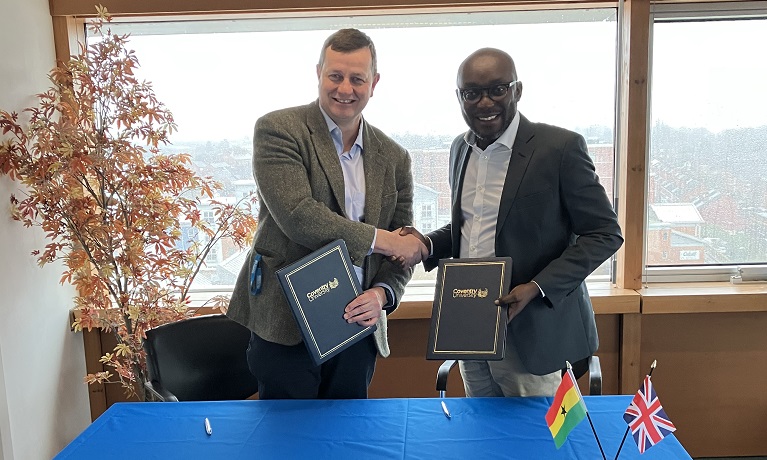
{"points": [[465, 322], [318, 287]]}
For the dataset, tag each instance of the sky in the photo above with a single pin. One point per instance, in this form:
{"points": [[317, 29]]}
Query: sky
{"points": [[706, 74], [217, 85], [710, 74]]}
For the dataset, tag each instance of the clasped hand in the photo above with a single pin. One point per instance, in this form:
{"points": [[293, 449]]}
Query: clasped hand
{"points": [[402, 246]]}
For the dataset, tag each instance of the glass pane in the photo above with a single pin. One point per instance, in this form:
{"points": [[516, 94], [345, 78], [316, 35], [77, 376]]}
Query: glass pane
{"points": [[218, 77], [707, 190]]}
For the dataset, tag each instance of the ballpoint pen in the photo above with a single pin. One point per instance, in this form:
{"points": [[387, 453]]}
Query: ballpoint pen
{"points": [[444, 409], [208, 429]]}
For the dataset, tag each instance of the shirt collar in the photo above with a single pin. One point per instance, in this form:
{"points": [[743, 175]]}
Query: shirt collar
{"points": [[506, 138], [335, 134]]}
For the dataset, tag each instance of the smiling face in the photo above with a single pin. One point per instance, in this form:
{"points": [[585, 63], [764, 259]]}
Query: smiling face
{"points": [[346, 83], [488, 118]]}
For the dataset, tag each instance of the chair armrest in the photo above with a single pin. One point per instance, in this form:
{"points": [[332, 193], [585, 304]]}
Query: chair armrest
{"points": [[595, 376], [443, 373], [159, 392]]}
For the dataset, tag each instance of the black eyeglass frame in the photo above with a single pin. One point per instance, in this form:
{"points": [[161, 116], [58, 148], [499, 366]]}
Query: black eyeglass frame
{"points": [[485, 90]]}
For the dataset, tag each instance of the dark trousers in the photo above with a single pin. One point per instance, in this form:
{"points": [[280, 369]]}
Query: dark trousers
{"points": [[288, 372]]}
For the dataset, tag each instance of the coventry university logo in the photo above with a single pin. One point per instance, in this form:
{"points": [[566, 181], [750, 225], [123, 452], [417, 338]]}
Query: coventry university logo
{"points": [[322, 290], [473, 293]]}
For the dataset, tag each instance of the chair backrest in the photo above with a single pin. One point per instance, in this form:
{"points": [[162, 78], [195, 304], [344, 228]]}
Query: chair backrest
{"points": [[593, 366], [201, 359], [579, 367]]}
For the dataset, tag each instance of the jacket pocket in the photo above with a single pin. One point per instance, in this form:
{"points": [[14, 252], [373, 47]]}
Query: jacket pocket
{"points": [[534, 199]]}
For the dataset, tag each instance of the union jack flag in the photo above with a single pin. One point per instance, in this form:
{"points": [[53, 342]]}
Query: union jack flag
{"points": [[646, 418]]}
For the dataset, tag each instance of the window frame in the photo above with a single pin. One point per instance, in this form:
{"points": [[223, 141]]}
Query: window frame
{"points": [[632, 86], [182, 24], [735, 273]]}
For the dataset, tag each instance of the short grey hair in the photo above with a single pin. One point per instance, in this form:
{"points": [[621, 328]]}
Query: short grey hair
{"points": [[348, 40]]}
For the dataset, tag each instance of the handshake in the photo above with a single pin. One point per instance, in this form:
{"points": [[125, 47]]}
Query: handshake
{"points": [[406, 246]]}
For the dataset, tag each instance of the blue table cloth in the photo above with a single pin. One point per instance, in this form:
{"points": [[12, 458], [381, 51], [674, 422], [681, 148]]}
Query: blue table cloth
{"points": [[480, 428]]}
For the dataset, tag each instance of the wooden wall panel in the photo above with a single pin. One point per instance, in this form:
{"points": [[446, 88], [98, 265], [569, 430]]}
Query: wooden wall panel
{"points": [[711, 379], [408, 374], [608, 327]]}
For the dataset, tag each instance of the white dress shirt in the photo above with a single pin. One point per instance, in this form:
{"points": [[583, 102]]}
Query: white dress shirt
{"points": [[482, 190]]}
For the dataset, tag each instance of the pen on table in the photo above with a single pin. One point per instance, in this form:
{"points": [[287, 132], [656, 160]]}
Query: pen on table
{"points": [[444, 409], [208, 429]]}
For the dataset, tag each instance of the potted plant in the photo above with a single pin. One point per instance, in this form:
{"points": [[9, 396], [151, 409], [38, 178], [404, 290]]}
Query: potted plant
{"points": [[111, 203]]}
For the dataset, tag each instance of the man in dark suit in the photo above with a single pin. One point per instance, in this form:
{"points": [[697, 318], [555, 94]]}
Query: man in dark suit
{"points": [[323, 172], [528, 191]]}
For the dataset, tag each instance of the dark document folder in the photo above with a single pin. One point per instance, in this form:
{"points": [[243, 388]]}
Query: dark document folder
{"points": [[318, 287], [465, 322]]}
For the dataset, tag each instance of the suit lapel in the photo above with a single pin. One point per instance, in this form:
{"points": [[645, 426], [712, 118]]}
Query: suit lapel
{"points": [[373, 161], [459, 168], [327, 154], [459, 171], [521, 153]]}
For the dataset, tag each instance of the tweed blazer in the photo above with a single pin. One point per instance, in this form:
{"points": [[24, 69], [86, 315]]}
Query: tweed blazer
{"points": [[301, 208], [557, 224]]}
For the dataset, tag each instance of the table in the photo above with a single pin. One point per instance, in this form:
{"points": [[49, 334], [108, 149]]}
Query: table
{"points": [[480, 428]]}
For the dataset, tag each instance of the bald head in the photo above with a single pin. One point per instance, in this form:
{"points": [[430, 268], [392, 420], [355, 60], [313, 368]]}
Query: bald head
{"points": [[492, 76], [486, 61]]}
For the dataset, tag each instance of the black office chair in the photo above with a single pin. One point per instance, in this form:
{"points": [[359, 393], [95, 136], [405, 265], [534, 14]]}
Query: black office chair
{"points": [[594, 368], [199, 359], [590, 365]]}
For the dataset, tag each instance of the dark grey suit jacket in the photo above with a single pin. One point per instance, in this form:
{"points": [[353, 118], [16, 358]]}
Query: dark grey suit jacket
{"points": [[301, 208], [556, 223]]}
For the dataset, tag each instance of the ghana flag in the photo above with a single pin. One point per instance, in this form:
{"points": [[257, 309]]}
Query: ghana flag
{"points": [[567, 410]]}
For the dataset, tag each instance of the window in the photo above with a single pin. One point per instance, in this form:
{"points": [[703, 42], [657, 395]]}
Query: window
{"points": [[426, 211], [209, 216], [707, 182], [218, 77]]}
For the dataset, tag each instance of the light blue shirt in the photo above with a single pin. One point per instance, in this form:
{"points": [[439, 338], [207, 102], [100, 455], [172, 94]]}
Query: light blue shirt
{"points": [[354, 172], [354, 181]]}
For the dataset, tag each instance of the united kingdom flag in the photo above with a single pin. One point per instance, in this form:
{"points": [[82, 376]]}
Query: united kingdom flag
{"points": [[646, 418]]}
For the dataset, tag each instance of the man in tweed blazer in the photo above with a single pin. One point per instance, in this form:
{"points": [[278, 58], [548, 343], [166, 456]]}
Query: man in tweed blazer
{"points": [[325, 173]]}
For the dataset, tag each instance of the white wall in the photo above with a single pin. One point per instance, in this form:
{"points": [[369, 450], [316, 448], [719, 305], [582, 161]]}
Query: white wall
{"points": [[5, 432], [43, 400]]}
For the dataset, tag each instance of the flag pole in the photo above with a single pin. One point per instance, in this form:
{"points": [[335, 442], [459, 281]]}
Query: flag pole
{"points": [[652, 368], [580, 396]]}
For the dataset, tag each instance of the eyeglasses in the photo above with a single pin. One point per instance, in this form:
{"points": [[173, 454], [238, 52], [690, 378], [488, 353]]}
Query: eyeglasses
{"points": [[495, 92]]}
